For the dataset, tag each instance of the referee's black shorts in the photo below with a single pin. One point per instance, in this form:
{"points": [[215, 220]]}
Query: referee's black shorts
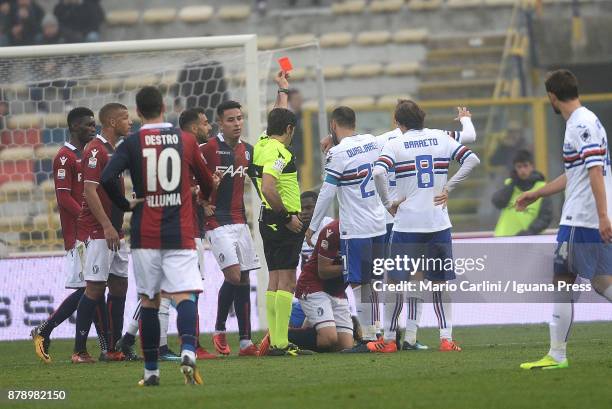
{"points": [[282, 247]]}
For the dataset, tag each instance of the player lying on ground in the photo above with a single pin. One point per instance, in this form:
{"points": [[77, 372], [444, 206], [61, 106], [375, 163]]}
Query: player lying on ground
{"points": [[321, 291], [162, 160], [99, 228], [421, 226], [585, 231], [68, 179]]}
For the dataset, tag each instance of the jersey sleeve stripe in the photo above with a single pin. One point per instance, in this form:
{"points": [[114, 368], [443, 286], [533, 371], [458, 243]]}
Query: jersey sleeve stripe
{"points": [[598, 152], [91, 181], [382, 165], [333, 172], [331, 180], [464, 156], [590, 146], [63, 188]]}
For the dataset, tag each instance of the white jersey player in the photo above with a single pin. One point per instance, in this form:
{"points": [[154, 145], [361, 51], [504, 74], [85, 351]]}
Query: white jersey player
{"points": [[421, 227], [362, 215], [585, 231]]}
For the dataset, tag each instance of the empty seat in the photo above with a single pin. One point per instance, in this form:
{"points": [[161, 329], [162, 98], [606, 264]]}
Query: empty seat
{"points": [[358, 102], [424, 5], [333, 72], [313, 105], [386, 6], [24, 121], [349, 7], [402, 68], [409, 36], [11, 188], [195, 14], [373, 37], [463, 4], [339, 39], [122, 17], [234, 12], [267, 42], [389, 101], [499, 3], [17, 153], [47, 151], [364, 70], [139, 81], [297, 39], [160, 15]]}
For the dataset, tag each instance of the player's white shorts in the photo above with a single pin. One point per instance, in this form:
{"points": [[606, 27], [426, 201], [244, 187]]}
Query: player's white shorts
{"points": [[232, 244], [100, 261], [176, 271], [200, 249], [323, 310], [75, 263]]}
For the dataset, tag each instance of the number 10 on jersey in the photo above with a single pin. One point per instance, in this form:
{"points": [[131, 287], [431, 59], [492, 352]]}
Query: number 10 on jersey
{"points": [[165, 169]]}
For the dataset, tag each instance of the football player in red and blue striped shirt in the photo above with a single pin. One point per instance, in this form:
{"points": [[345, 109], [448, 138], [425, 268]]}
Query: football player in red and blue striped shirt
{"points": [[162, 160]]}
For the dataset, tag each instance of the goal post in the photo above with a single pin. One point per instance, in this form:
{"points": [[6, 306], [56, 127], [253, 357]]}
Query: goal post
{"points": [[40, 84]]}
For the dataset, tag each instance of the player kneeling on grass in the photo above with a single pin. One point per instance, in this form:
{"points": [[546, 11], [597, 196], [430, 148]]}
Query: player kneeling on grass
{"points": [[162, 160], [321, 291]]}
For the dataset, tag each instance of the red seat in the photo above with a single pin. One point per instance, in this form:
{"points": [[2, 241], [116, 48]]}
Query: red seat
{"points": [[29, 136], [16, 171]]}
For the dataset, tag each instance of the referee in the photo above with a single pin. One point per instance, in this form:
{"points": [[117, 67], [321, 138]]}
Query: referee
{"points": [[280, 227]]}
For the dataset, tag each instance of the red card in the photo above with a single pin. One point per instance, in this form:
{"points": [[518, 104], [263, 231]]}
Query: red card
{"points": [[285, 64]]}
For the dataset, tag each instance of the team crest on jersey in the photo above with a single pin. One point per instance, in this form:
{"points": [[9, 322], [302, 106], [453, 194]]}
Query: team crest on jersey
{"points": [[585, 135], [279, 165], [63, 160], [93, 162], [424, 164], [61, 174], [247, 155], [324, 244]]}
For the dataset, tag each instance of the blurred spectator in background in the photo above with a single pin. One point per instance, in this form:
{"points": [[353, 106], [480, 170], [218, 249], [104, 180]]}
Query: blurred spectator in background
{"points": [[26, 16], [80, 20], [50, 31], [316, 3], [262, 5], [296, 100], [523, 178], [508, 146], [5, 22]]}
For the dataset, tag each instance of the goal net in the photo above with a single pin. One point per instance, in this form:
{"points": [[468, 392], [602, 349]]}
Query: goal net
{"points": [[40, 84]]}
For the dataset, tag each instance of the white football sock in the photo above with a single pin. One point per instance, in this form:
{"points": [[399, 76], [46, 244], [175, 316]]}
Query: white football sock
{"points": [[414, 307], [443, 308], [132, 327], [245, 343], [164, 318], [608, 293], [148, 373], [392, 312], [559, 327], [365, 312], [189, 354]]}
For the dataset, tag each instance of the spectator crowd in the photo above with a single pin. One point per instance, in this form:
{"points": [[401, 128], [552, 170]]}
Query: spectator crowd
{"points": [[24, 22]]}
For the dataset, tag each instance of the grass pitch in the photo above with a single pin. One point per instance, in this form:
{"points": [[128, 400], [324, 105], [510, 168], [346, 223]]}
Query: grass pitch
{"points": [[484, 375]]}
